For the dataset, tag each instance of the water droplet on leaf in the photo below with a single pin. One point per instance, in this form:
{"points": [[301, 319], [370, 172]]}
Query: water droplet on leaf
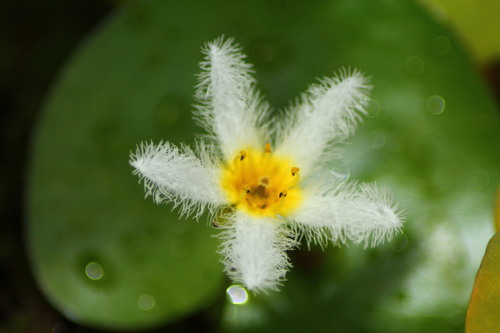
{"points": [[94, 271], [146, 302], [435, 104], [237, 294], [441, 45], [414, 65]]}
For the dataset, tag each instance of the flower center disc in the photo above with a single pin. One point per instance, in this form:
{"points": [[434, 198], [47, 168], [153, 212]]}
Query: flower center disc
{"points": [[261, 183]]}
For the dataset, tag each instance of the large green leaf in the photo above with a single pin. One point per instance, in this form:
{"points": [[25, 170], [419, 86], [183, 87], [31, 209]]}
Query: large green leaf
{"points": [[431, 137]]}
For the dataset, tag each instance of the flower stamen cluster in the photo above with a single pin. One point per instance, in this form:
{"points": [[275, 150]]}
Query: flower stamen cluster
{"points": [[261, 183]]}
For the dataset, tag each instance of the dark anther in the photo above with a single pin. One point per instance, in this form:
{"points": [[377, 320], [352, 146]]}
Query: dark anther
{"points": [[243, 154]]}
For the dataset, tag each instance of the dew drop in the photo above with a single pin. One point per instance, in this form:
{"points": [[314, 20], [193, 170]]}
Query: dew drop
{"points": [[237, 294], [435, 104], [94, 271], [414, 65], [441, 45], [146, 302]]}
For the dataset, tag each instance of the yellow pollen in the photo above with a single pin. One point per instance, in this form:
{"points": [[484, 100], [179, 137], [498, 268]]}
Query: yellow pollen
{"points": [[261, 184]]}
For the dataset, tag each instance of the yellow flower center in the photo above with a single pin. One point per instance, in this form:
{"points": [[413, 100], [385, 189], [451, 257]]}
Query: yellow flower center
{"points": [[261, 183]]}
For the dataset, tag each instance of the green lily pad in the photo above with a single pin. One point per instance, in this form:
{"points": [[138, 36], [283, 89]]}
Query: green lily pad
{"points": [[106, 257]]}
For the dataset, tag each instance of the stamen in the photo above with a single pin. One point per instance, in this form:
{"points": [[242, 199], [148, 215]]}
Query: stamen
{"points": [[268, 148], [243, 155], [294, 171], [246, 189], [283, 193]]}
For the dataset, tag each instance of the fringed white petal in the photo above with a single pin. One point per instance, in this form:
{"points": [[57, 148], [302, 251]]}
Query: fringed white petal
{"points": [[230, 108], [253, 251], [176, 175], [327, 114], [362, 214]]}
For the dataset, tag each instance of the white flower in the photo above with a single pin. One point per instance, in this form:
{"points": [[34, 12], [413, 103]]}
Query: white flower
{"points": [[265, 179]]}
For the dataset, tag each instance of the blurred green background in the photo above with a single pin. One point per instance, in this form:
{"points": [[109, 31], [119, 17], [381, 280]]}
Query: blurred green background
{"points": [[83, 83]]}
